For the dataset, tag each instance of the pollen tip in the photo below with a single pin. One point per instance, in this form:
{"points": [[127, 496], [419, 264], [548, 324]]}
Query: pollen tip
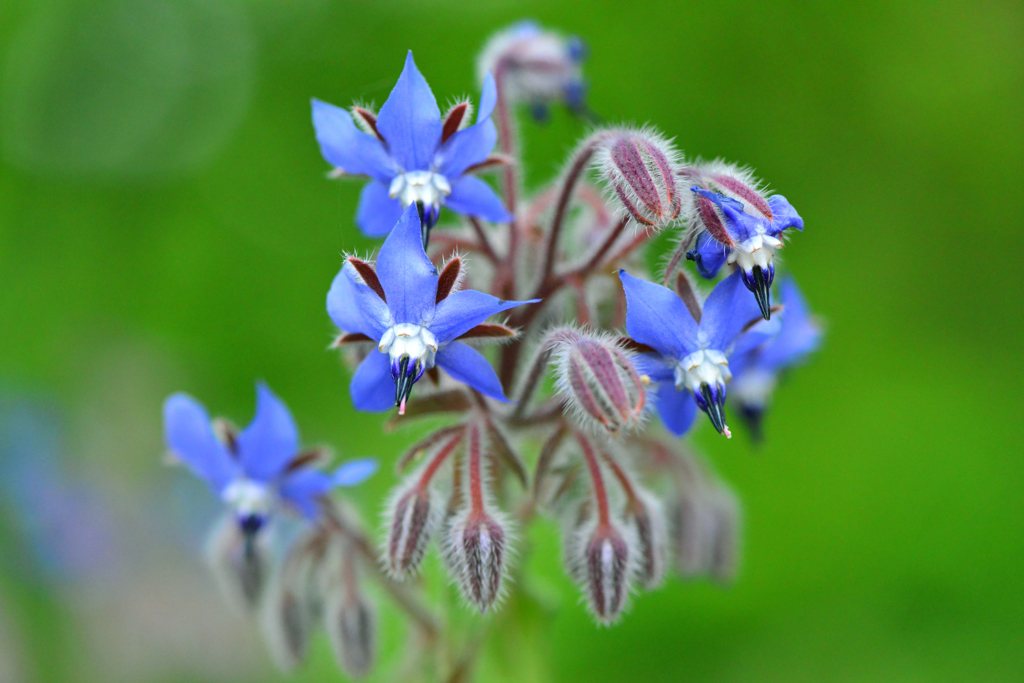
{"points": [[726, 432], [401, 407]]}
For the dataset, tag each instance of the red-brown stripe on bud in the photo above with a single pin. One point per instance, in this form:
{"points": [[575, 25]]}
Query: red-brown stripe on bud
{"points": [[598, 382], [651, 539], [640, 167], [602, 562]]}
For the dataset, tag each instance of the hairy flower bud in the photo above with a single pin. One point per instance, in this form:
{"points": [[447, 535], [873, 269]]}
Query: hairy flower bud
{"points": [[602, 562], [535, 66], [725, 539], [692, 521], [640, 169], [477, 545], [598, 382], [352, 629], [239, 563], [413, 514], [651, 540], [287, 625]]}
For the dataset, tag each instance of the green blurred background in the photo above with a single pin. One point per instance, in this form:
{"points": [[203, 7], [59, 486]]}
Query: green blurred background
{"points": [[165, 225]]}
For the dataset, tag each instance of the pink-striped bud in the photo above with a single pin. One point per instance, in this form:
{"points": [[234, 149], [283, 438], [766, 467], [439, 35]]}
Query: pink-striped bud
{"points": [[651, 540], [727, 179], [352, 629], [640, 169], [598, 382], [477, 546], [413, 514], [603, 563]]}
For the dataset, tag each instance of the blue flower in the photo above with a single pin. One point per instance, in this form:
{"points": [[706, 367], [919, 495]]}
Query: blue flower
{"points": [[411, 155], [260, 467], [686, 358], [750, 240], [758, 361], [415, 324]]}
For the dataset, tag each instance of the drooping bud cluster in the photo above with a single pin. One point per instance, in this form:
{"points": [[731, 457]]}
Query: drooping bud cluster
{"points": [[640, 168], [597, 380], [536, 66]]}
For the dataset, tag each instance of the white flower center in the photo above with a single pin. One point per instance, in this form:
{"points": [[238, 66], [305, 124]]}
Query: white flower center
{"points": [[758, 250], [249, 498], [706, 366], [414, 341], [754, 387], [420, 186]]}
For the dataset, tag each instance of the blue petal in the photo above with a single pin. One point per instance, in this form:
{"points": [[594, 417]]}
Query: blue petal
{"points": [[471, 145], [709, 254], [676, 408], [377, 212], [343, 144], [271, 440], [728, 308], [473, 197], [462, 311], [373, 388], [302, 487], [654, 367], [354, 472], [466, 365], [408, 277], [354, 307], [189, 435], [410, 121], [740, 224], [783, 215], [798, 335], [657, 317]]}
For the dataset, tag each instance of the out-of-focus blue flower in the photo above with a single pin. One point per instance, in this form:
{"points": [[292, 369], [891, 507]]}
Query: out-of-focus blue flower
{"points": [[415, 331], [687, 354], [748, 238], [260, 467], [411, 155], [757, 363]]}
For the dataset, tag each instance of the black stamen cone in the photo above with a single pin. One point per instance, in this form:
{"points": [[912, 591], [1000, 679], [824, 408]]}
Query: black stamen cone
{"points": [[762, 292], [426, 223], [404, 381], [753, 418], [714, 409]]}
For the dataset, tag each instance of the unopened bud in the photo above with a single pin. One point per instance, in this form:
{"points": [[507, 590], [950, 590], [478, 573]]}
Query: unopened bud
{"points": [[238, 562], [412, 516], [535, 66], [726, 536], [603, 563], [598, 382], [651, 540], [692, 520], [352, 629], [287, 627], [476, 550], [640, 168]]}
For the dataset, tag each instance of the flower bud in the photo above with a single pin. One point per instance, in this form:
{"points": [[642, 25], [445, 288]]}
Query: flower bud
{"points": [[603, 563], [287, 627], [598, 382], [477, 546], [640, 168], [352, 629], [536, 66], [413, 514], [651, 540], [692, 521], [238, 562], [725, 539]]}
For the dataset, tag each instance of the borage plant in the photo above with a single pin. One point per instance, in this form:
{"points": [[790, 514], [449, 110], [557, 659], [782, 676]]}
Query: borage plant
{"points": [[545, 411]]}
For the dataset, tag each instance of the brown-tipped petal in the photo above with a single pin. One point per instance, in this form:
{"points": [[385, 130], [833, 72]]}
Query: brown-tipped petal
{"points": [[453, 121], [448, 279], [369, 276], [350, 338], [489, 331], [312, 457], [493, 162], [227, 433]]}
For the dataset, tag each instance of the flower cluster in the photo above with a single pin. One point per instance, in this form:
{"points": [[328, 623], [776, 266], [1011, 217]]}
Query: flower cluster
{"points": [[633, 362]]}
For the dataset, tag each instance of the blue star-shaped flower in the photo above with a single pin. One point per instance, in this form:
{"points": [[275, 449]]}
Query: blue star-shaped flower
{"points": [[758, 361], [412, 156], [753, 239], [259, 468], [415, 324], [686, 355]]}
